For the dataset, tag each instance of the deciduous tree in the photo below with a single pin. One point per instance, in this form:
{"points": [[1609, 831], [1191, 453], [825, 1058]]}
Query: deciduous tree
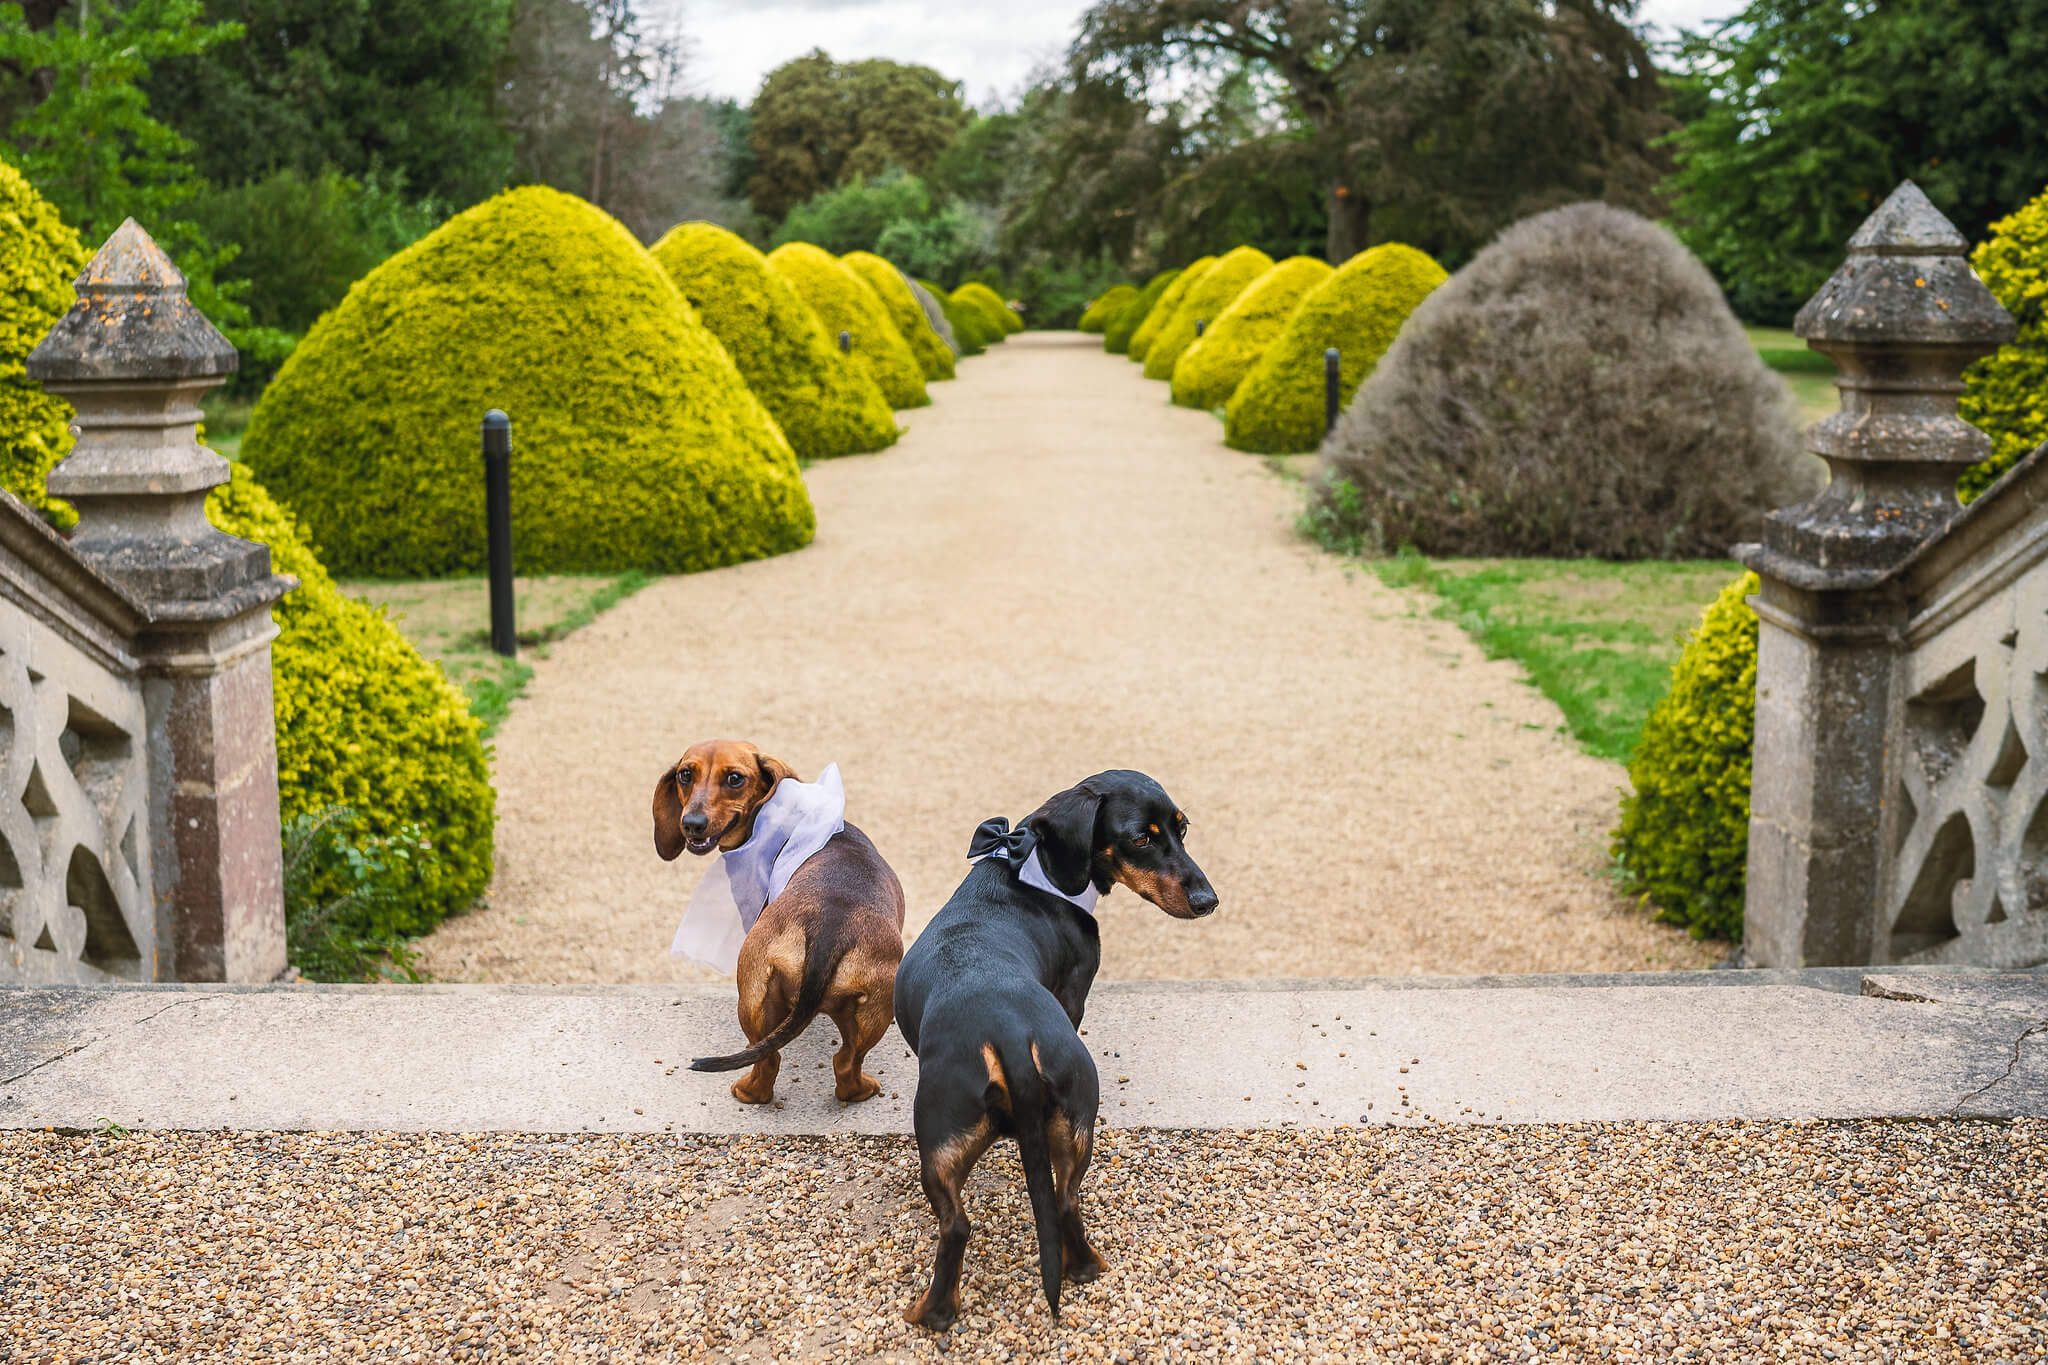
{"points": [[818, 123]]}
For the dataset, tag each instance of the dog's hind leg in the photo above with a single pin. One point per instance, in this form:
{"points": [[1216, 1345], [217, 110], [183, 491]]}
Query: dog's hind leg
{"points": [[944, 1169], [1071, 1145], [862, 1020], [764, 1003]]}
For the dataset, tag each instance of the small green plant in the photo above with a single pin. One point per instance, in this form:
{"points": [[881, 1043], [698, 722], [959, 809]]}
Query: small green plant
{"points": [[1336, 521], [110, 1129], [345, 898]]}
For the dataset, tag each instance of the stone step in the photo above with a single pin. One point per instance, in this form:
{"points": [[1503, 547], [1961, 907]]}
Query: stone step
{"points": [[1823, 1044]]}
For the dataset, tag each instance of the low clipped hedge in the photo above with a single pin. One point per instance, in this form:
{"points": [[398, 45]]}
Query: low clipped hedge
{"points": [[364, 722], [844, 303], [971, 332], [1278, 406], [1116, 336], [1095, 317], [2002, 392], [1683, 841], [1163, 309], [1205, 301], [934, 357], [1210, 370], [39, 258], [991, 304], [825, 403], [637, 445], [934, 315]]}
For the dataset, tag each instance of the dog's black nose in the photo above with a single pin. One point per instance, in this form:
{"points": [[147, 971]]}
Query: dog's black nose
{"points": [[696, 823], [1203, 901]]}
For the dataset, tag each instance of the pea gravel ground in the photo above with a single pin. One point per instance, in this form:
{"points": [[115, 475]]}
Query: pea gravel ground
{"points": [[1052, 573], [1869, 1242]]}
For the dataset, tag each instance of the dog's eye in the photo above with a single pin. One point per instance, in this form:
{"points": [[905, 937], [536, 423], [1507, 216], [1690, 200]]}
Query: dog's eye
{"points": [[735, 778], [1141, 841], [686, 776]]}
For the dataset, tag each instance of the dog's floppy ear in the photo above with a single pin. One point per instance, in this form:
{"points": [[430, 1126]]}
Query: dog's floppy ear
{"points": [[1065, 826], [668, 817], [773, 770]]}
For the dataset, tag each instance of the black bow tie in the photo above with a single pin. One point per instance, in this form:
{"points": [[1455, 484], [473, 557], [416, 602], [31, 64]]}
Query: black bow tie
{"points": [[994, 836]]}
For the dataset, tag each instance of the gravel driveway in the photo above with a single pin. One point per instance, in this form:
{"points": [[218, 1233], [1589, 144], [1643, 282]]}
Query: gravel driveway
{"points": [[1053, 573]]}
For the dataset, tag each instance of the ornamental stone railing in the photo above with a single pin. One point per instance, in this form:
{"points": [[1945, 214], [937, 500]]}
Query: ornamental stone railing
{"points": [[138, 817], [1899, 792]]}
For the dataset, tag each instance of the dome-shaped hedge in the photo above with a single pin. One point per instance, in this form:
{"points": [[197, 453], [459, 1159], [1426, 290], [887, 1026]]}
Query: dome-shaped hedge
{"points": [[1210, 370], [990, 303], [844, 303], [39, 258], [1117, 334], [971, 331], [1205, 302], [2003, 392], [934, 315], [1167, 304], [1278, 406], [1683, 842], [1095, 317], [1579, 390], [636, 444], [825, 404], [364, 722], [934, 358]]}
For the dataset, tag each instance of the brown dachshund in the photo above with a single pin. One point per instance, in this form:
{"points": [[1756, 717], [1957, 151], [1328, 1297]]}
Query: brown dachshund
{"points": [[828, 944]]}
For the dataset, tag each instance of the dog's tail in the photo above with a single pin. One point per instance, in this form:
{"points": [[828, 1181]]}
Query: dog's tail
{"points": [[1031, 1104], [822, 954]]}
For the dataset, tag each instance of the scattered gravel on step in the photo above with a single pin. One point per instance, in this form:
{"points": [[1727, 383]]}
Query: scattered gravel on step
{"points": [[1876, 1242]]}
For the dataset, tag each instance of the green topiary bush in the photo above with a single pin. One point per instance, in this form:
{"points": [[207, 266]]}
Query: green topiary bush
{"points": [[934, 358], [1116, 336], [992, 304], [970, 328], [1278, 406], [1683, 842], [825, 403], [1167, 304], [844, 303], [39, 258], [1209, 371], [1206, 301], [935, 315], [2002, 392], [364, 722], [636, 442], [1095, 317], [1579, 390]]}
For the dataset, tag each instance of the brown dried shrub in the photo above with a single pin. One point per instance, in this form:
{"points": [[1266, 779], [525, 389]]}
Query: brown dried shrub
{"points": [[1579, 389]]}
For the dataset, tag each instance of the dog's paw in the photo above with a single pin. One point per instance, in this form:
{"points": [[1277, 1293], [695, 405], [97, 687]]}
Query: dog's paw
{"points": [[925, 1313], [1083, 1269], [868, 1088], [745, 1094]]}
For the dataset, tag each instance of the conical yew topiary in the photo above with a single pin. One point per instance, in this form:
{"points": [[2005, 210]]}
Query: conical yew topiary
{"points": [[971, 332], [825, 403], [935, 315], [1205, 302], [1124, 323], [2002, 392], [1095, 317], [636, 442], [843, 302], [39, 258], [934, 357], [1278, 407], [1209, 371], [1167, 304], [991, 304]]}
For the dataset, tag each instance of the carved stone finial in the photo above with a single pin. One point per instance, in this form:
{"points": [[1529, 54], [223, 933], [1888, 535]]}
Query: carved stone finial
{"points": [[133, 357], [1901, 320]]}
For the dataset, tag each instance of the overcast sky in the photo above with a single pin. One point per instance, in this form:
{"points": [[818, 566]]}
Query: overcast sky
{"points": [[992, 45]]}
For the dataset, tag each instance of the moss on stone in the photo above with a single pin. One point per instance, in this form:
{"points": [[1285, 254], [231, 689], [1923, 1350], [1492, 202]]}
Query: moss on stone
{"points": [[1209, 371], [825, 403], [844, 303], [636, 444], [1277, 409], [934, 357], [1206, 301]]}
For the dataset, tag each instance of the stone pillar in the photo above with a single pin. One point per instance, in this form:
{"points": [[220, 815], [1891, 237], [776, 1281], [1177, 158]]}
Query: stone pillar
{"points": [[1901, 319], [133, 357]]}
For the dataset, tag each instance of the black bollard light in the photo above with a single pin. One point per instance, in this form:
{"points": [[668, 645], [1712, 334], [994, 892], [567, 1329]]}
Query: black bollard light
{"points": [[846, 343], [498, 521], [1201, 325], [1332, 362]]}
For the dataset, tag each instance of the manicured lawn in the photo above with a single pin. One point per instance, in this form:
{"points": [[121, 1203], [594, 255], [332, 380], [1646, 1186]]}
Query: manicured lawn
{"points": [[1597, 638], [449, 621], [226, 419], [1809, 374]]}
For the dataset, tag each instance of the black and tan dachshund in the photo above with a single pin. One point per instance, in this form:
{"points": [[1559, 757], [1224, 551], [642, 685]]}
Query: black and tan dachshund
{"points": [[990, 998]]}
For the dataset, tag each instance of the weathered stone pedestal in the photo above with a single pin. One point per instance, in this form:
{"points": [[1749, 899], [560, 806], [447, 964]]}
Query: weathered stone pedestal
{"points": [[1901, 319], [133, 357]]}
